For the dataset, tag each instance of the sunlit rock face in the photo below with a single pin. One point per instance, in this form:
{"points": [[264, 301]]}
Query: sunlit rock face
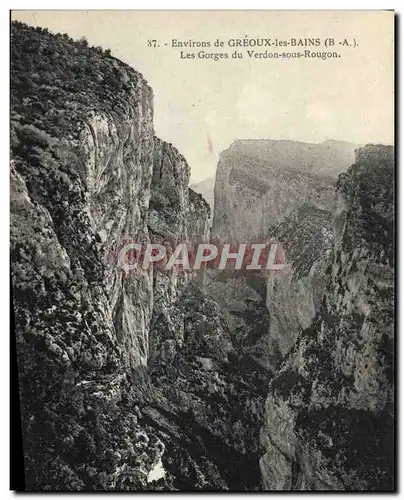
{"points": [[85, 178], [282, 191], [129, 380], [177, 216], [329, 412], [259, 182]]}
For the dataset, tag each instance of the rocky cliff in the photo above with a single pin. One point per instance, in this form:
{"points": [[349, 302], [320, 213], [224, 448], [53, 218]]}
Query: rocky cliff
{"points": [[129, 380], [294, 296], [206, 188], [258, 182], [206, 398], [86, 177], [329, 415], [147, 379]]}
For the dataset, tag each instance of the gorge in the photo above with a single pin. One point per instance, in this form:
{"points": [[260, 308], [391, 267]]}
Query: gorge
{"points": [[211, 381]]}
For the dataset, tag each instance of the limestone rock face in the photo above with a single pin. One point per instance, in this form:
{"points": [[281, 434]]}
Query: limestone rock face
{"points": [[294, 296], [85, 179], [177, 216], [242, 301], [172, 202], [258, 182], [329, 414]]}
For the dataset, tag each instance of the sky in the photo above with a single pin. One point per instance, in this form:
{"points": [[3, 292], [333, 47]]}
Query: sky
{"points": [[201, 106]]}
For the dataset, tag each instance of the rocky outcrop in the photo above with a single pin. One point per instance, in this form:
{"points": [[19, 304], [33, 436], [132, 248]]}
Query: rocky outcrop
{"points": [[282, 190], [259, 182], [242, 299], [129, 380], [329, 414], [207, 398], [294, 295], [206, 188], [86, 177], [177, 215]]}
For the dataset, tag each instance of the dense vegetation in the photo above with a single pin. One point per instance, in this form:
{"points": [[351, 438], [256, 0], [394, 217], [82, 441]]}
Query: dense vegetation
{"points": [[56, 81]]}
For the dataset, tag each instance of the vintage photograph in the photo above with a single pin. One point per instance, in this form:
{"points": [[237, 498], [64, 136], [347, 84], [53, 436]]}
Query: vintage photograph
{"points": [[202, 247]]}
